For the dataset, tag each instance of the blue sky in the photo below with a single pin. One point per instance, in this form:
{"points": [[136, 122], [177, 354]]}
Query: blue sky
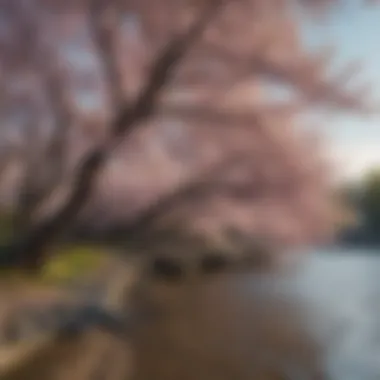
{"points": [[355, 31]]}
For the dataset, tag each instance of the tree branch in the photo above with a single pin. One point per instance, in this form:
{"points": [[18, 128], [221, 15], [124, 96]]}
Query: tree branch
{"points": [[29, 252], [203, 184]]}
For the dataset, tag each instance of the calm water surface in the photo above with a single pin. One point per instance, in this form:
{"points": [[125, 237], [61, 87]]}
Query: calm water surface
{"points": [[341, 292]]}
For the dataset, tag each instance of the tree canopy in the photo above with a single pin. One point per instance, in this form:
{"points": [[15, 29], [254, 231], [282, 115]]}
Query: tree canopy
{"points": [[151, 113]]}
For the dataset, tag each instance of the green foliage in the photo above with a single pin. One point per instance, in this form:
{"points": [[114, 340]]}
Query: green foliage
{"points": [[66, 264], [72, 262], [6, 226], [364, 197], [370, 200]]}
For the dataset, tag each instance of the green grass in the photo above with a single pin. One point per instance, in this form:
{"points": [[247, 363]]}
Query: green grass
{"points": [[68, 263], [6, 226]]}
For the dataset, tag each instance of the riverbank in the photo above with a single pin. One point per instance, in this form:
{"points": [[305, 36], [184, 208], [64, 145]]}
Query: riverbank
{"points": [[26, 357], [322, 317], [201, 329]]}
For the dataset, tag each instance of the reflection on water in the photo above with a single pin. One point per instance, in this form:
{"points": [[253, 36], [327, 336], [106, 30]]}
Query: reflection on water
{"points": [[245, 327], [232, 326], [332, 297], [341, 290]]}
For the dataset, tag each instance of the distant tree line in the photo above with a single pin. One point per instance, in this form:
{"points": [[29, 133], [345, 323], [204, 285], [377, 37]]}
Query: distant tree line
{"points": [[364, 197]]}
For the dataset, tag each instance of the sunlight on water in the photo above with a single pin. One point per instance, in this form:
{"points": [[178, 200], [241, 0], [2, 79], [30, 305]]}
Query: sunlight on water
{"points": [[342, 292]]}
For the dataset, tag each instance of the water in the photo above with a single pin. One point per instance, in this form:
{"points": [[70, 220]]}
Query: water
{"points": [[226, 326], [338, 289], [341, 291]]}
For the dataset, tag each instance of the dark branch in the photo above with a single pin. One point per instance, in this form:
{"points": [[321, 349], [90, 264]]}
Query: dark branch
{"points": [[30, 251]]}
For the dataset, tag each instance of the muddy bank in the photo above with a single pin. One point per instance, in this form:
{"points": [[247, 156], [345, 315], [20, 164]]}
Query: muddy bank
{"points": [[220, 328]]}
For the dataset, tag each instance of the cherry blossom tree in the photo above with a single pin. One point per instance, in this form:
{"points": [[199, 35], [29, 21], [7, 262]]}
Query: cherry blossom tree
{"points": [[144, 115]]}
